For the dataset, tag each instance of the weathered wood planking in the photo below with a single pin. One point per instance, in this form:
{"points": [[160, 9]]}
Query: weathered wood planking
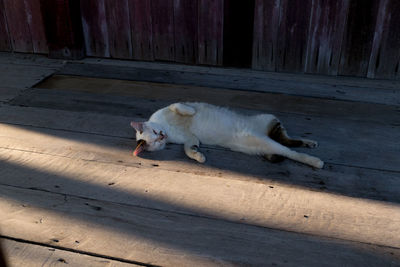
{"points": [[293, 33], [21, 76], [95, 29], [333, 147], [248, 201], [141, 29], [169, 239], [386, 93], [327, 24], [118, 28], [210, 32], [265, 41], [267, 102], [385, 58], [358, 38], [336, 150], [19, 253], [162, 16], [186, 30], [18, 26], [5, 42]]}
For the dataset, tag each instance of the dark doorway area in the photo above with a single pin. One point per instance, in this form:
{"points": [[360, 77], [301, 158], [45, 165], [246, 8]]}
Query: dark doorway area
{"points": [[238, 33]]}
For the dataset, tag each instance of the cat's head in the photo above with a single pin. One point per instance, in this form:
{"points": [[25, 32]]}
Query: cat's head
{"points": [[150, 136]]}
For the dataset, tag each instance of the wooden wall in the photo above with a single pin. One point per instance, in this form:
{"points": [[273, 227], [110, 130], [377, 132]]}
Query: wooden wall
{"points": [[334, 37], [21, 27], [184, 31]]}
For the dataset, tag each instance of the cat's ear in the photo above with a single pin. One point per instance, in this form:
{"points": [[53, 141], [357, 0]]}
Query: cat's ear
{"points": [[138, 126]]}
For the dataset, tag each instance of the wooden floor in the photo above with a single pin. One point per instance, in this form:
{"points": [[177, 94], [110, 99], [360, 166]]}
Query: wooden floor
{"points": [[72, 193]]}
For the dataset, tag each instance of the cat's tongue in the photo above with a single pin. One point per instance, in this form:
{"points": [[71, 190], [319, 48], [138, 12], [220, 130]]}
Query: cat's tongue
{"points": [[139, 148]]}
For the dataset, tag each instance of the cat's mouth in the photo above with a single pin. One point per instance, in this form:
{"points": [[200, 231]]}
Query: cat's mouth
{"points": [[141, 144]]}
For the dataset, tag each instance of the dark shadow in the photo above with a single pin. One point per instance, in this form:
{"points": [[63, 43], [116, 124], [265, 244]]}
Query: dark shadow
{"points": [[334, 178], [238, 33], [168, 226]]}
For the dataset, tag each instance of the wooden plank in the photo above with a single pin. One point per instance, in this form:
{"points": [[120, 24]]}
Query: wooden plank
{"points": [[94, 25], [385, 57], [351, 181], [119, 30], [210, 32], [162, 17], [356, 83], [328, 18], [5, 42], [22, 76], [168, 239], [267, 102], [185, 28], [36, 26], [260, 83], [358, 38], [33, 60], [18, 26], [141, 29], [292, 40], [265, 42], [19, 253]]}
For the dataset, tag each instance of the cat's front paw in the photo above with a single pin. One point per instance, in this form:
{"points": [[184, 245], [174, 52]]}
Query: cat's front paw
{"points": [[200, 157], [310, 143]]}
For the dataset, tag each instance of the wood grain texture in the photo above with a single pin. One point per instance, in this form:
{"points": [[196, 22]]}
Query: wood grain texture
{"points": [[327, 25], [294, 30], [118, 28], [168, 239], [373, 92], [210, 32], [18, 26], [385, 57], [5, 42], [162, 12], [95, 29], [19, 253], [185, 28], [141, 29], [115, 139], [265, 42], [358, 38], [36, 26]]}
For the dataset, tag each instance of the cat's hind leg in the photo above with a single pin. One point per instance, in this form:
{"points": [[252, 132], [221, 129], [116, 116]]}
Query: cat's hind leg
{"points": [[278, 133], [261, 145], [191, 147]]}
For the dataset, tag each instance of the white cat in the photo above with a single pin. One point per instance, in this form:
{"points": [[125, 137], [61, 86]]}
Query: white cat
{"points": [[193, 123]]}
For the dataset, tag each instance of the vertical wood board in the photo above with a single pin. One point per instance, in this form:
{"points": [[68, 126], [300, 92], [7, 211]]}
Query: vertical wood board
{"points": [[185, 28], [162, 12], [210, 32], [5, 43], [385, 56], [36, 26], [358, 38], [141, 29], [118, 26], [17, 21], [94, 26], [293, 35], [266, 19], [328, 18]]}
